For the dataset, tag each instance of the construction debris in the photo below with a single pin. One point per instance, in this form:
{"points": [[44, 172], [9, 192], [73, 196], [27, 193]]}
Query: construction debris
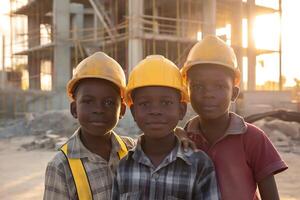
{"points": [[284, 135], [53, 128]]}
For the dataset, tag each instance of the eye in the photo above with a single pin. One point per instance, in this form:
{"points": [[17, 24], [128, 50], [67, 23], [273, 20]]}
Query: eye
{"points": [[197, 87], [167, 102], [220, 86], [109, 102], [143, 103], [86, 101]]}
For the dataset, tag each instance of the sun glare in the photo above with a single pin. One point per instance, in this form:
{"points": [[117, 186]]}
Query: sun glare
{"points": [[266, 34]]}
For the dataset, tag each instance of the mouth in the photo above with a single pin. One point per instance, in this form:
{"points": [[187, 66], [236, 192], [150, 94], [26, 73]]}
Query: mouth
{"points": [[156, 124], [209, 107], [98, 123]]}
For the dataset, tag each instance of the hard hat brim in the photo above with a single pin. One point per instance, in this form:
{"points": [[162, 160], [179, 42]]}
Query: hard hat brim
{"points": [[72, 83], [189, 65]]}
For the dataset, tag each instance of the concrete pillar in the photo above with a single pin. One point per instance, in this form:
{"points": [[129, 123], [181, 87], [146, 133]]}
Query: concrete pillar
{"points": [[62, 51], [34, 61], [135, 45], [77, 20], [251, 51], [237, 34], [3, 78], [209, 10]]}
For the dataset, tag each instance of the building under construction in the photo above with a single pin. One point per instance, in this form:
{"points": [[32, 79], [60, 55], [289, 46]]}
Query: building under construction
{"points": [[55, 35]]}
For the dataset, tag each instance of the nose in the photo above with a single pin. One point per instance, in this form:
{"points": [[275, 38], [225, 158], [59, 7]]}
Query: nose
{"points": [[155, 109], [98, 108], [208, 92]]}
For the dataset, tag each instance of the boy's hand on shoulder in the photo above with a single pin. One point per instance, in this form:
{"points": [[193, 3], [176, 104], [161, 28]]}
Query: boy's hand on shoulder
{"points": [[186, 142]]}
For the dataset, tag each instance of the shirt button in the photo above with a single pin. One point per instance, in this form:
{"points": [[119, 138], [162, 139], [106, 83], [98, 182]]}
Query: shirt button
{"points": [[155, 176]]}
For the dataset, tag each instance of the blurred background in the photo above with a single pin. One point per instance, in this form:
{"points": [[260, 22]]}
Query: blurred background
{"points": [[42, 41]]}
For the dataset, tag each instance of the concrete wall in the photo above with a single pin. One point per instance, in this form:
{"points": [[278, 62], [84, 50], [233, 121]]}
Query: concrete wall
{"points": [[252, 102], [14, 103]]}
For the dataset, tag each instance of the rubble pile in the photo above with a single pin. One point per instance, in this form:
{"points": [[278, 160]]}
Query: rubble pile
{"points": [[284, 135], [58, 122], [51, 129]]}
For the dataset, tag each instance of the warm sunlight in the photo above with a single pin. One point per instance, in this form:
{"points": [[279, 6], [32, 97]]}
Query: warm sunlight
{"points": [[4, 17], [266, 34]]}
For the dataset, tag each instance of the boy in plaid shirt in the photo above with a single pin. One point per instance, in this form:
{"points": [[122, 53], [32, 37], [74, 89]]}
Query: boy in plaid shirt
{"points": [[158, 168], [96, 91]]}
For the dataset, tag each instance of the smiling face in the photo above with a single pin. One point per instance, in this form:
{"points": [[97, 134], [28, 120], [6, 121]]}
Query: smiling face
{"points": [[157, 110], [97, 106], [211, 90]]}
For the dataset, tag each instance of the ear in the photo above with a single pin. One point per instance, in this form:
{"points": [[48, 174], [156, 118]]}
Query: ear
{"points": [[122, 110], [73, 109], [132, 111], [182, 110], [235, 93]]}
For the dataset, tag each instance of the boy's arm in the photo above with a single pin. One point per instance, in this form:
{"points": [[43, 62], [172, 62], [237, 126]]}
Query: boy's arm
{"points": [[268, 189], [55, 184]]}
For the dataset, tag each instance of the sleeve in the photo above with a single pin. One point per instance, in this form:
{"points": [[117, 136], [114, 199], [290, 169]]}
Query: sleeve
{"points": [[55, 183], [115, 190], [206, 186], [262, 156]]}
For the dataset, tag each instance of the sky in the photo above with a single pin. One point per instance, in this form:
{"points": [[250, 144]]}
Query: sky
{"points": [[266, 35]]}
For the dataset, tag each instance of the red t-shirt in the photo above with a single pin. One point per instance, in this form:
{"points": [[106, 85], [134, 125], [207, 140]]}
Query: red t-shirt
{"points": [[242, 158]]}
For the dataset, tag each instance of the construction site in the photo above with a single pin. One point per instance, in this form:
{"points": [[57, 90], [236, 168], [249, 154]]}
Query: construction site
{"points": [[48, 38]]}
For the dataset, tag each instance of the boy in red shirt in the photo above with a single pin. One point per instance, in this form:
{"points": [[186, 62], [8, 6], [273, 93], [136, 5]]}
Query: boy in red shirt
{"points": [[243, 156]]}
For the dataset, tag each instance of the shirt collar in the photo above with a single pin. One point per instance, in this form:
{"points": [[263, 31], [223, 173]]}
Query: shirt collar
{"points": [[76, 148], [138, 154], [236, 126]]}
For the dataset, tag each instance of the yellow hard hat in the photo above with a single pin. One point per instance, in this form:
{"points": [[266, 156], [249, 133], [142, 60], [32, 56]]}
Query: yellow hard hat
{"points": [[155, 70], [99, 65], [212, 50]]}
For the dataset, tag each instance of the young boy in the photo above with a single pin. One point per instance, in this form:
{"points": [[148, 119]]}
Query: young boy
{"points": [[84, 167], [242, 154], [158, 168]]}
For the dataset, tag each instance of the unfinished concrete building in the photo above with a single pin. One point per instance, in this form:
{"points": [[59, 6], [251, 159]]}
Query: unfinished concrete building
{"points": [[60, 33]]}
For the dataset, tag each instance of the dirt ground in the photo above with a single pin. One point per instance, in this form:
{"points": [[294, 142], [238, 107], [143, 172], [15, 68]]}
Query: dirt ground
{"points": [[22, 172]]}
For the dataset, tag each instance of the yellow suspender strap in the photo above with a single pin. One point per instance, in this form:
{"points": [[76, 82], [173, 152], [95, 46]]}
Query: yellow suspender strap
{"points": [[123, 151], [80, 177], [79, 173]]}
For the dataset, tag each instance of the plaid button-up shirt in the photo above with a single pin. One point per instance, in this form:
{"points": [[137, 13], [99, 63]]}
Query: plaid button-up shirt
{"points": [[181, 175], [59, 182]]}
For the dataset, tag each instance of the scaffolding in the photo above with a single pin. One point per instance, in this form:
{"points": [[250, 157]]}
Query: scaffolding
{"points": [[61, 33]]}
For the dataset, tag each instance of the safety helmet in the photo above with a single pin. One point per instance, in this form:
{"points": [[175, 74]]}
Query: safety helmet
{"points": [[99, 65], [155, 70], [212, 50]]}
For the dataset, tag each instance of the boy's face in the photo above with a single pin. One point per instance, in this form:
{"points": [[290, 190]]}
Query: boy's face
{"points": [[97, 106], [157, 110], [211, 90]]}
